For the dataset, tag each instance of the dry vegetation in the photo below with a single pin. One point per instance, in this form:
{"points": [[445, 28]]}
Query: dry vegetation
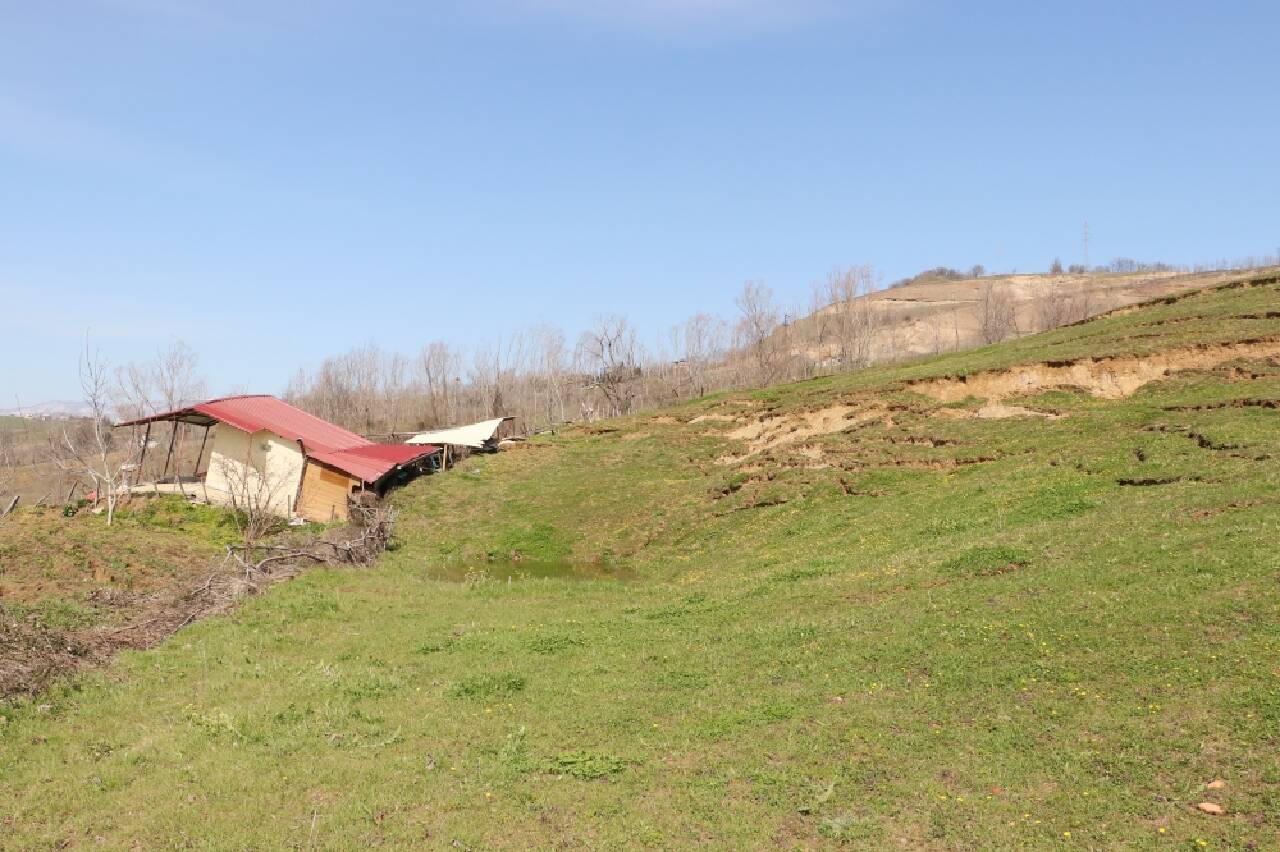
{"points": [[74, 591], [850, 323]]}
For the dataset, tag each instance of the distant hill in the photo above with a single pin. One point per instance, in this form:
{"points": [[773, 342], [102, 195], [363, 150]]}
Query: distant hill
{"points": [[57, 409], [932, 316]]}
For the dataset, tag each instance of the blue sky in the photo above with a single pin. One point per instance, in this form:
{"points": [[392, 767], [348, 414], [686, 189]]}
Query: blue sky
{"points": [[277, 181]]}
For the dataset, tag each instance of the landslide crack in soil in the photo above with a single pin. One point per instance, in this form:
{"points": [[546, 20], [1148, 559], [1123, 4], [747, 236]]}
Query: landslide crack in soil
{"points": [[1259, 315], [1109, 378], [1113, 377], [1244, 284], [1235, 505], [1230, 403], [1147, 482], [782, 430]]}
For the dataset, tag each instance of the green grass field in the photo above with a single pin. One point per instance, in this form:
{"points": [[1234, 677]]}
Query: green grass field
{"points": [[928, 630]]}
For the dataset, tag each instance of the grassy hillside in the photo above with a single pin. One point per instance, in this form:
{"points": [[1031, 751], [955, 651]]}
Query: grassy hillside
{"points": [[47, 558], [951, 604]]}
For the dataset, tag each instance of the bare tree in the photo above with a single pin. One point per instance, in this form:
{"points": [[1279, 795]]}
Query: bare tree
{"points": [[758, 322], [700, 343], [177, 376], [935, 332], [257, 495], [364, 389], [438, 369], [1054, 310], [819, 326], [854, 321], [1062, 307], [997, 318], [170, 381], [552, 369], [8, 461], [91, 450], [610, 354], [494, 371]]}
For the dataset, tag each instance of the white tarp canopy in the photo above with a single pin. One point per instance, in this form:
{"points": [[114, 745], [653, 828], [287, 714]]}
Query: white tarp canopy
{"points": [[476, 435]]}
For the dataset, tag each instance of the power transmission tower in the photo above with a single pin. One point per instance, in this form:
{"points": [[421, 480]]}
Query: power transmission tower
{"points": [[1084, 241]]}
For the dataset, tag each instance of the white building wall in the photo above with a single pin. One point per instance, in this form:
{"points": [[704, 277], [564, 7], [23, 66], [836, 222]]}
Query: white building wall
{"points": [[259, 469]]}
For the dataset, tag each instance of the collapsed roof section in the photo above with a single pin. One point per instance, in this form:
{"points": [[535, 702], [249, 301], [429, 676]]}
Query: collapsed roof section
{"points": [[372, 462], [476, 435]]}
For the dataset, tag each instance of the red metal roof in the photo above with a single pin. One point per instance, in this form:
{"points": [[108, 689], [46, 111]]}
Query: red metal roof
{"points": [[373, 461], [255, 413], [321, 440]]}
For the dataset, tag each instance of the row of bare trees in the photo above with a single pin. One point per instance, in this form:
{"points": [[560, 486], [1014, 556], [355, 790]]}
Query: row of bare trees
{"points": [[86, 453], [846, 321], [537, 376], [89, 448], [8, 466], [540, 378]]}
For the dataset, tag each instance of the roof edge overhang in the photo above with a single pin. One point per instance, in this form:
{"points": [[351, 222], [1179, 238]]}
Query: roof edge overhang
{"points": [[191, 413], [195, 418]]}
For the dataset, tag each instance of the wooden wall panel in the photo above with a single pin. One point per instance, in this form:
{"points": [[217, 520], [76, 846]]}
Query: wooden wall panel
{"points": [[324, 494]]}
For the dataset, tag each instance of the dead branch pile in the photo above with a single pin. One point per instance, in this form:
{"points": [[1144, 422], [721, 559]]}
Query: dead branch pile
{"points": [[358, 544], [33, 654]]}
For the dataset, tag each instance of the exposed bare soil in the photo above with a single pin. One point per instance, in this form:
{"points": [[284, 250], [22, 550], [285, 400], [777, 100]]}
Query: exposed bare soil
{"points": [[1107, 378], [783, 430]]}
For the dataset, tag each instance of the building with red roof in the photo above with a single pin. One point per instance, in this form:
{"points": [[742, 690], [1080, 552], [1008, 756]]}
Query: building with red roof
{"points": [[269, 455]]}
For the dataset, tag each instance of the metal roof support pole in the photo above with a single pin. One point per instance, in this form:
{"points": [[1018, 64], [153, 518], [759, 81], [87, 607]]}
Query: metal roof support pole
{"points": [[173, 436], [195, 468], [204, 482], [146, 439]]}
